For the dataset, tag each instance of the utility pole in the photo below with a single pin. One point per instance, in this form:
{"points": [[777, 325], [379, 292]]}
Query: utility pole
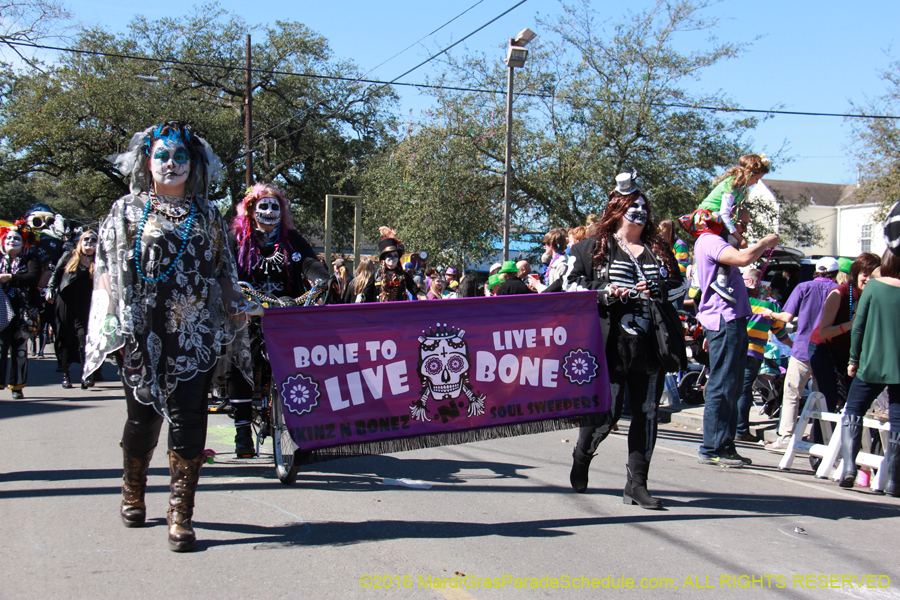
{"points": [[516, 56], [507, 163], [248, 119]]}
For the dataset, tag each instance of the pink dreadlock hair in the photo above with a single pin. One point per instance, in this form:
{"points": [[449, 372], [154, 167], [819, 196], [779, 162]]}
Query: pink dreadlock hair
{"points": [[243, 226]]}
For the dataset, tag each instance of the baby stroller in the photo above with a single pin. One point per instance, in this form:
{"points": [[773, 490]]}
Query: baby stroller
{"points": [[692, 382]]}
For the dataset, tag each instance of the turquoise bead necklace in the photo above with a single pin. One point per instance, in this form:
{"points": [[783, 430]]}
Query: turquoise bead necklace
{"points": [[137, 243]]}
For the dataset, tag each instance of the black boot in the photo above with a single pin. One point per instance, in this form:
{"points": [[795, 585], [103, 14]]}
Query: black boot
{"points": [[580, 464], [636, 486], [851, 441], [892, 464], [87, 382], [66, 380], [242, 411], [243, 442]]}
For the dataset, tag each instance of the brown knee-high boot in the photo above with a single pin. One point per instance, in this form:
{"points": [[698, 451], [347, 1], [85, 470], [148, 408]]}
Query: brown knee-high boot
{"points": [[185, 476], [134, 483]]}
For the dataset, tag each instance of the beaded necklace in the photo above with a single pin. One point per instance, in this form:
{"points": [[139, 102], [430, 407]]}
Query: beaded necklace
{"points": [[185, 235], [851, 301], [175, 212], [550, 266], [768, 256]]}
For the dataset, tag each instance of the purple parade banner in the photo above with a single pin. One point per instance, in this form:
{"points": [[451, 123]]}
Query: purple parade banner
{"points": [[445, 371]]}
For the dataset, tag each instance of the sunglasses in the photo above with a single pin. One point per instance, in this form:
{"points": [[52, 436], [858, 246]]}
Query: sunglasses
{"points": [[38, 222], [90, 239]]}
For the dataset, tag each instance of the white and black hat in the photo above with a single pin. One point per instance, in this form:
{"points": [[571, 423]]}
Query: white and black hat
{"points": [[626, 183]]}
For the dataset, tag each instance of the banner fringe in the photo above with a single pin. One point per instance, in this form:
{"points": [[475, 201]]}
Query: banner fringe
{"points": [[451, 438]]}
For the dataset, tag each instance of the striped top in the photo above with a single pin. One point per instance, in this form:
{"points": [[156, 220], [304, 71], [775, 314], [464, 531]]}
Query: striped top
{"points": [[758, 327], [681, 255], [634, 313]]}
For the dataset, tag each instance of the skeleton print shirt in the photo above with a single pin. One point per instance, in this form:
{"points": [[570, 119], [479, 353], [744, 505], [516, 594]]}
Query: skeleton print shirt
{"points": [[628, 346], [631, 327]]}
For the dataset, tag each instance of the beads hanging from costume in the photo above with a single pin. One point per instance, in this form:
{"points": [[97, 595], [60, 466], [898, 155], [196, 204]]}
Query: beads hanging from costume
{"points": [[851, 301], [184, 234]]}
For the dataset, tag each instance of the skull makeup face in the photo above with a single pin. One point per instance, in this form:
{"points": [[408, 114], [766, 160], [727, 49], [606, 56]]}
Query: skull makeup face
{"points": [[267, 214], [445, 363], [637, 212], [12, 244], [170, 163], [89, 243], [391, 260]]}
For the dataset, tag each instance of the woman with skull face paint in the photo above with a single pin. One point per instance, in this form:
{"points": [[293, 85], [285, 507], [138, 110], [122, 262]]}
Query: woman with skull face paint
{"points": [[20, 271], [277, 261], [628, 263], [390, 283], [69, 290], [165, 300]]}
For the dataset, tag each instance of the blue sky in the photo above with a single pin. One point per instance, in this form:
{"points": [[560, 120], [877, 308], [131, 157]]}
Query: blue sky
{"points": [[810, 56]]}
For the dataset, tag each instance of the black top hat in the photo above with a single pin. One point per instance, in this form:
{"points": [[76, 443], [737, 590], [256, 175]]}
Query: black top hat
{"points": [[388, 245]]}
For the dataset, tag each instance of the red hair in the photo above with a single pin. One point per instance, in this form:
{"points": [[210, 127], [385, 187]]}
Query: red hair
{"points": [[29, 237]]}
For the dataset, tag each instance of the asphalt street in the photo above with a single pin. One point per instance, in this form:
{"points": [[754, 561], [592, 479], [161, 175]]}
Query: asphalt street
{"points": [[498, 521]]}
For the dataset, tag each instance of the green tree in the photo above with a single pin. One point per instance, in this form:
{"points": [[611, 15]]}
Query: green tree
{"points": [[430, 188], [876, 142], [597, 98], [59, 125]]}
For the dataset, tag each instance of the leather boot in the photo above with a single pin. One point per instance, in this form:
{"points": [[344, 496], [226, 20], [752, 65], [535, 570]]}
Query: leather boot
{"points": [[66, 380], [243, 442], [580, 464], [851, 441], [892, 464], [134, 483], [636, 486], [185, 476]]}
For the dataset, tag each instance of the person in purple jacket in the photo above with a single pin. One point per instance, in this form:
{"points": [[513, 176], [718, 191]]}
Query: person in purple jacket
{"points": [[805, 303], [726, 332]]}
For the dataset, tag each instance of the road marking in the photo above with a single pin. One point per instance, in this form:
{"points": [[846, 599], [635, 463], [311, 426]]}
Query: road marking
{"points": [[839, 493], [276, 507], [455, 594]]}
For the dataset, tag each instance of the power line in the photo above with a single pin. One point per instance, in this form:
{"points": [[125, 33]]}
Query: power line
{"points": [[395, 79], [423, 37], [360, 79], [451, 88]]}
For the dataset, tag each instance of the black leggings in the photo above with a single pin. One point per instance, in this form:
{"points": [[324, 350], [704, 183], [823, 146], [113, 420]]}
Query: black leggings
{"points": [[643, 391], [187, 409]]}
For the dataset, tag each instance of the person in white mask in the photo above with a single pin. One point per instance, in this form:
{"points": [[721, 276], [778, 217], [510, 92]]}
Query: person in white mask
{"points": [[20, 270], [390, 282]]}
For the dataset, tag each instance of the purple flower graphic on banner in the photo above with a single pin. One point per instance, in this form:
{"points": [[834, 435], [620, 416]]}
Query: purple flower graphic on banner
{"points": [[300, 394], [580, 367]]}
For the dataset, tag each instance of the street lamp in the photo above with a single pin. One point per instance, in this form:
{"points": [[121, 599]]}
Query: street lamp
{"points": [[516, 56]]}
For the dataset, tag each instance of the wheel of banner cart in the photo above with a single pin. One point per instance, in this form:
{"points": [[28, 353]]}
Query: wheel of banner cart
{"points": [[285, 450]]}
